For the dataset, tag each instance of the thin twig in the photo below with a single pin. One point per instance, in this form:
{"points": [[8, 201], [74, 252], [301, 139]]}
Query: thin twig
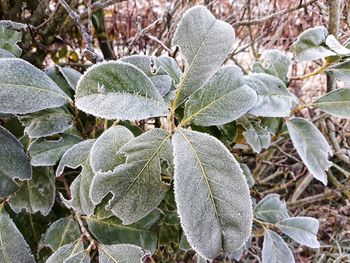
{"points": [[89, 52]]}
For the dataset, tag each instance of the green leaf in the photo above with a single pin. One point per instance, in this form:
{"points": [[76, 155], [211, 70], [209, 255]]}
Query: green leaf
{"points": [[311, 146], [341, 70], [275, 250], [9, 39], [36, 194], [121, 253], [170, 66], [302, 229], [13, 246], [6, 54], [205, 42], [46, 122], [211, 193], [105, 154], [79, 155], [274, 99], [45, 152], [26, 89], [248, 175], [271, 209], [60, 233], [256, 136], [149, 65], [310, 45], [275, 63], [14, 163], [336, 103], [222, 99], [65, 252], [55, 74], [136, 185], [111, 231], [335, 46], [71, 75], [118, 90], [80, 257]]}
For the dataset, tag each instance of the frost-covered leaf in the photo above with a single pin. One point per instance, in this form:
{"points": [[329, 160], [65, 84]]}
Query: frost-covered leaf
{"points": [[170, 66], [336, 103], [111, 231], [311, 45], [36, 194], [71, 75], [222, 99], [274, 99], [150, 66], [46, 122], [9, 39], [136, 185], [248, 175], [6, 54], [335, 46], [55, 74], [26, 89], [61, 232], [79, 155], [256, 136], [302, 229], [271, 209], [275, 250], [121, 253], [274, 62], [105, 154], [118, 90], [205, 42], [14, 163], [80, 257], [211, 193], [65, 252], [13, 246], [45, 152], [341, 70], [311, 146]]}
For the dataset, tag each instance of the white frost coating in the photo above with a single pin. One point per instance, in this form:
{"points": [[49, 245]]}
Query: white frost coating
{"points": [[65, 252], [46, 122], [275, 250], [14, 163], [79, 155], [61, 232], [136, 185], [128, 93], [205, 42], [48, 152], [125, 253], [71, 75], [75, 156], [26, 89], [310, 45], [13, 246], [211, 193], [302, 229], [271, 209], [80, 257], [222, 99], [311, 146], [5, 54], [334, 45], [104, 155], [274, 99], [336, 102], [36, 194]]}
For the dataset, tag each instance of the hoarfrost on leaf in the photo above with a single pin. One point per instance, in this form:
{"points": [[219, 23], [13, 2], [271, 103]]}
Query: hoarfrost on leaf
{"points": [[275, 250], [121, 253], [128, 93], [211, 193], [271, 209], [205, 42]]}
